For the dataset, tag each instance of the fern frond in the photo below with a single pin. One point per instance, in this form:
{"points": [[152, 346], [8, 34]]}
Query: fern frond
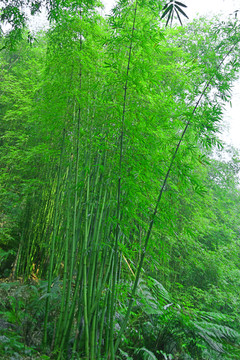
{"points": [[125, 355], [213, 316], [219, 332], [160, 290], [216, 346], [147, 354]]}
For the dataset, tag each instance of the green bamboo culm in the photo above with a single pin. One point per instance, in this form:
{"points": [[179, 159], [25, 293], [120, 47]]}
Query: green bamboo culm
{"points": [[119, 195], [53, 242]]}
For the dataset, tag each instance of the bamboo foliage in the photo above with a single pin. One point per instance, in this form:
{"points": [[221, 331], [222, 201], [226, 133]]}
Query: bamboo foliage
{"points": [[115, 118]]}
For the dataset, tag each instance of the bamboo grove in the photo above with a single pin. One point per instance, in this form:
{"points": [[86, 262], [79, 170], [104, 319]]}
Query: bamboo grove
{"points": [[111, 123]]}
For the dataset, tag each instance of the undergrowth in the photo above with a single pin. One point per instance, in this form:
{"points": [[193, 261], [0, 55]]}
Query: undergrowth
{"points": [[159, 328], [21, 317]]}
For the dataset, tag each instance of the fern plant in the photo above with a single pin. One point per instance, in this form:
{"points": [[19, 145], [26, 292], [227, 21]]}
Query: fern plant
{"points": [[160, 328]]}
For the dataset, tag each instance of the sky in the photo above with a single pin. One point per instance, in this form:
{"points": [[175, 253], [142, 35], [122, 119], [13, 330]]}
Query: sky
{"points": [[231, 117], [211, 7]]}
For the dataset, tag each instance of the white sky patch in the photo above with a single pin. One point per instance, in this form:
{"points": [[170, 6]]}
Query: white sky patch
{"points": [[39, 21], [210, 7], [108, 5]]}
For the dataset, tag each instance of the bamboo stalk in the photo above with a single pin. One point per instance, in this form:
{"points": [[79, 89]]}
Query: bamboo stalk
{"points": [[53, 245], [85, 282], [116, 260]]}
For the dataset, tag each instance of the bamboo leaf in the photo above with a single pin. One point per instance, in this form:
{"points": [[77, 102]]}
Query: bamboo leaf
{"points": [[165, 7], [169, 17], [179, 18], [165, 12], [181, 4], [181, 11]]}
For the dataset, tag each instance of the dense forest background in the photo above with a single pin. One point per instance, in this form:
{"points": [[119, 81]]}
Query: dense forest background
{"points": [[119, 205]]}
